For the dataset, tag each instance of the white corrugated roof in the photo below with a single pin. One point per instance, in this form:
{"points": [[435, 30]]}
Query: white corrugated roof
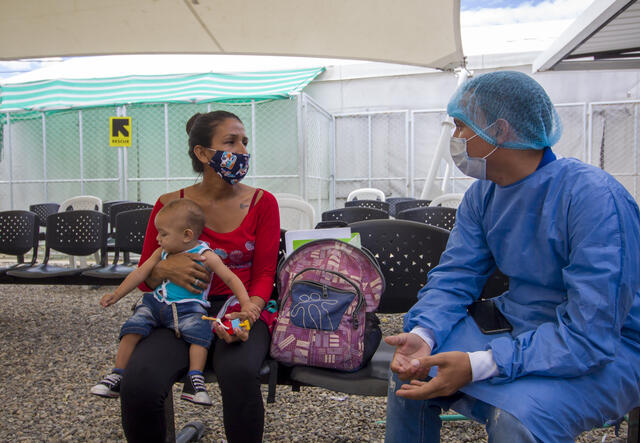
{"points": [[605, 36]]}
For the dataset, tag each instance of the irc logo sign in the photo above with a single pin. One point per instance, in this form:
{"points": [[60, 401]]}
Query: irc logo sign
{"points": [[119, 131]]}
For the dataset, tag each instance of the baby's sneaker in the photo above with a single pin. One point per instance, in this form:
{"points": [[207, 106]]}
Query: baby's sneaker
{"points": [[195, 390], [109, 386]]}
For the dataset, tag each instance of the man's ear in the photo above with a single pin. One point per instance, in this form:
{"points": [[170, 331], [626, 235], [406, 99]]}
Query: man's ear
{"points": [[502, 131]]}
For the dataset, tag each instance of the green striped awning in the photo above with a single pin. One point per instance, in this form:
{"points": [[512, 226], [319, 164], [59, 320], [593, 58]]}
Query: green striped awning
{"points": [[181, 88]]}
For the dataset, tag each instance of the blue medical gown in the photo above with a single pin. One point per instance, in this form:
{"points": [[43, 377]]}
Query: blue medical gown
{"points": [[568, 238]]}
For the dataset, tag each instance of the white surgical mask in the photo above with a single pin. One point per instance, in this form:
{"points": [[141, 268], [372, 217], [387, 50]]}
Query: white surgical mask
{"points": [[475, 167]]}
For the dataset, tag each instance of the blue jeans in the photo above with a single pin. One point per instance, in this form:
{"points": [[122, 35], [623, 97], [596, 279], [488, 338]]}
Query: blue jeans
{"points": [[154, 314], [419, 420]]}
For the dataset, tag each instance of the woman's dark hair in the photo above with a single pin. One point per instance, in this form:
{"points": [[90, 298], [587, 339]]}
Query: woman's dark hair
{"points": [[201, 128]]}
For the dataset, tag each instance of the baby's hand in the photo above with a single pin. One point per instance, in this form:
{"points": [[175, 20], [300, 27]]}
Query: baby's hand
{"points": [[109, 299], [252, 311]]}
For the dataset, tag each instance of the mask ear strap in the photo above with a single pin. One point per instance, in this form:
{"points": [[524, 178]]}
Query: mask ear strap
{"points": [[494, 150]]}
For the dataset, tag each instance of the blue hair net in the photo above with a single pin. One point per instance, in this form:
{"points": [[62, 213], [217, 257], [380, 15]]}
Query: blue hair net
{"points": [[514, 97]]}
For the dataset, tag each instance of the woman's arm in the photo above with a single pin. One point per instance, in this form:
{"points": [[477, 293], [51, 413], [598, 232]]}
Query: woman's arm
{"points": [[265, 254]]}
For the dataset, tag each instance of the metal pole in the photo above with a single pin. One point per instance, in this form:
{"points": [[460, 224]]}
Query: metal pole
{"points": [[407, 123], [125, 166], [370, 151], [44, 157], [585, 129], [254, 145], [589, 132], [332, 163], [166, 147], [10, 155], [302, 163], [81, 152], [635, 149]]}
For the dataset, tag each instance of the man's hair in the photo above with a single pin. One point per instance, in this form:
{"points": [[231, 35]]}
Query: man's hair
{"points": [[191, 213]]}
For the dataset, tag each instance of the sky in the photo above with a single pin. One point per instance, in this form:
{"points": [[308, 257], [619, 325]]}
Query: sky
{"points": [[487, 27]]}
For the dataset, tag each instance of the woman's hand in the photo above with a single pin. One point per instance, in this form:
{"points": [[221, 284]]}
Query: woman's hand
{"points": [[240, 334], [183, 270], [252, 312]]}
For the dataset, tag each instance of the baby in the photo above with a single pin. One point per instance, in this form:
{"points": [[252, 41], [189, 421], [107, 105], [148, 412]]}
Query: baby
{"points": [[179, 225]]}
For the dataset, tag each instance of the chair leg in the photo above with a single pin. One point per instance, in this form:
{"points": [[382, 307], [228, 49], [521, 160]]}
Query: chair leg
{"points": [[192, 431], [169, 418], [633, 434], [273, 381]]}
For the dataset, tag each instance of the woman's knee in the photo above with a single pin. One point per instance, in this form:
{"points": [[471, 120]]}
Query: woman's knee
{"points": [[236, 372]]}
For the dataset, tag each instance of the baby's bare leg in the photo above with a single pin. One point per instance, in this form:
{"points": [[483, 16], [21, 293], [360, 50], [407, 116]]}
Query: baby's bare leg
{"points": [[127, 345], [197, 357]]}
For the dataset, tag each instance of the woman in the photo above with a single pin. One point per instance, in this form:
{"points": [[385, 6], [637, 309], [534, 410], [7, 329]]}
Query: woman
{"points": [[243, 227]]}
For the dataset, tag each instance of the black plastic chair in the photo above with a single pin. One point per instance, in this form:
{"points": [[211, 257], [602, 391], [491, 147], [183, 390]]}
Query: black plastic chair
{"points": [[114, 210], [332, 224], [18, 235], [410, 204], [106, 208], [132, 226], [117, 208], [76, 233], [44, 210], [406, 251], [377, 204], [393, 201], [439, 216], [269, 374], [354, 214]]}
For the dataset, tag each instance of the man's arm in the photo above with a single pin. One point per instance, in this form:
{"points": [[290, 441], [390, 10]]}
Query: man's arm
{"points": [[601, 279], [459, 278]]}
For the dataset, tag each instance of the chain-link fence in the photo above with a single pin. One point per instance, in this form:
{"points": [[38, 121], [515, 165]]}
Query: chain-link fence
{"points": [[358, 165], [51, 156], [614, 141], [296, 146], [372, 151]]}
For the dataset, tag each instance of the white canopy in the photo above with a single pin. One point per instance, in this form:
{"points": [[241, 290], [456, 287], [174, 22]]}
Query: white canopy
{"points": [[605, 36], [413, 32]]}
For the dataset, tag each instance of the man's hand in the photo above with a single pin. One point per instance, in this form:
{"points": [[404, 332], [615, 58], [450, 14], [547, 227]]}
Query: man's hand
{"points": [[409, 347], [454, 371]]}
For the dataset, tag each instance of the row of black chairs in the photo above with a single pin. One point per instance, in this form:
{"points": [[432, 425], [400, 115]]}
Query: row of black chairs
{"points": [[75, 233], [110, 208], [439, 216], [392, 206]]}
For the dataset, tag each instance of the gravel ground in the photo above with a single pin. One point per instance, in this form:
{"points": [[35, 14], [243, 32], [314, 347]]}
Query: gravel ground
{"points": [[57, 342]]}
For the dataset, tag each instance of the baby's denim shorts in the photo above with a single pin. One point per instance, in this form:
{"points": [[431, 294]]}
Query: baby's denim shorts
{"points": [[152, 313]]}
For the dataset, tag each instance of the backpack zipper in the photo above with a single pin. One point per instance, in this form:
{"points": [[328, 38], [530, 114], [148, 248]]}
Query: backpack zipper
{"points": [[364, 251]]}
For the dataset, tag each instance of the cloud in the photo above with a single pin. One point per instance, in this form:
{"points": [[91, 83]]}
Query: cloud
{"points": [[527, 12]]}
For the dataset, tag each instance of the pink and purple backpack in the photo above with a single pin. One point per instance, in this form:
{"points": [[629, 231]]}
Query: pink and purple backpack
{"points": [[328, 291]]}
